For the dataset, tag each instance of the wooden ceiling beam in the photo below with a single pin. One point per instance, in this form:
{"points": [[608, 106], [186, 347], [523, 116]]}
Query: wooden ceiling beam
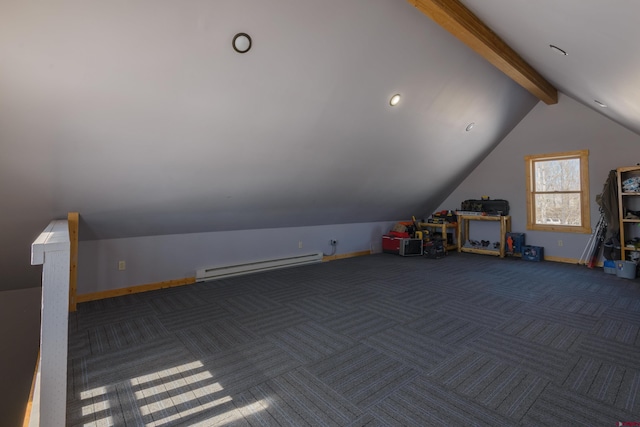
{"points": [[468, 28]]}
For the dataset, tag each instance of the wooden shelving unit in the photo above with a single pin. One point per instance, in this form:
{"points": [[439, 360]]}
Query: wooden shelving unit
{"points": [[463, 233], [629, 201]]}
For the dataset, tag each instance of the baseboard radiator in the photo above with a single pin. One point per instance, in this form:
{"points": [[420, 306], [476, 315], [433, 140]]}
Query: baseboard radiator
{"points": [[257, 266]]}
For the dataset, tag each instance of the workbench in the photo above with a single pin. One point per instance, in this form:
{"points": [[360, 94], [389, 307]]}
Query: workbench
{"points": [[463, 233]]}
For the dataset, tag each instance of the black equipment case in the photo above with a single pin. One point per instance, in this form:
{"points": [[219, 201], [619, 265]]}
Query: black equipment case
{"points": [[492, 207], [410, 247]]}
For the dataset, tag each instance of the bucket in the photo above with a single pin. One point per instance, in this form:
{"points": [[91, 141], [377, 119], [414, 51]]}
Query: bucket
{"points": [[626, 269], [610, 267]]}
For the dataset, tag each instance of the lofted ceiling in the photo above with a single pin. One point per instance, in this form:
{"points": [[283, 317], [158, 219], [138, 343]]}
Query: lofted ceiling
{"points": [[600, 37], [139, 114]]}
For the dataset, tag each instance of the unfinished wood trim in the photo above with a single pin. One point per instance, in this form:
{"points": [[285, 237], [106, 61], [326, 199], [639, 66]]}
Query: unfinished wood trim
{"points": [[27, 412], [585, 189], [569, 260], [585, 212], [628, 169], [528, 186], [135, 289], [454, 17], [561, 259], [559, 155], [73, 218], [343, 256]]}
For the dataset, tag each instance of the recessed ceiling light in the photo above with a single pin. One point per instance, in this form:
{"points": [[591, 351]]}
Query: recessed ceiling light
{"points": [[558, 50], [241, 42], [603, 105], [470, 126], [395, 99]]}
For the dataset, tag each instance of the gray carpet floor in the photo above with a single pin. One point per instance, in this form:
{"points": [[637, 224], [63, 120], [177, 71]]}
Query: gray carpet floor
{"points": [[379, 340]]}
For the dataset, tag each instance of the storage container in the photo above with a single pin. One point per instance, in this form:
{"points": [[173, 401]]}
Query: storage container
{"points": [[517, 241], [391, 244], [626, 269], [610, 267], [532, 253], [411, 247]]}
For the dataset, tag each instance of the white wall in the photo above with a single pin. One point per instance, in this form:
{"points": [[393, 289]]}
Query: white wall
{"points": [[566, 126], [158, 258]]}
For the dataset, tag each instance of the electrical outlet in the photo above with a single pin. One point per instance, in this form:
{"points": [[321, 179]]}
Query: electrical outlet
{"points": [[300, 244], [122, 265], [333, 242], [560, 243]]}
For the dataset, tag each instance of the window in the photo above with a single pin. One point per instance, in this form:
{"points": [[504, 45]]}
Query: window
{"points": [[558, 192]]}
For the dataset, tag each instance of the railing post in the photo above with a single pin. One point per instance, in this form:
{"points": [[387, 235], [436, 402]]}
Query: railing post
{"points": [[73, 218], [52, 250]]}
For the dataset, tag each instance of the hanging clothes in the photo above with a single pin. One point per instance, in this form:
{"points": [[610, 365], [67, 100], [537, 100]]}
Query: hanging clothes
{"points": [[608, 201]]}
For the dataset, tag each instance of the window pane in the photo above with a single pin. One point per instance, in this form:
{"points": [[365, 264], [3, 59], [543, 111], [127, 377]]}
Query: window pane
{"points": [[557, 175], [558, 209]]}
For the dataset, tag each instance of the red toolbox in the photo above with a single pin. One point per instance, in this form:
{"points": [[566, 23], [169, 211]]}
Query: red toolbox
{"points": [[401, 245], [391, 244]]}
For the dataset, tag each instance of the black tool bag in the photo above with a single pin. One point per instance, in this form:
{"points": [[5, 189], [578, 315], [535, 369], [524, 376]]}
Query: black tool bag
{"points": [[434, 249], [492, 207]]}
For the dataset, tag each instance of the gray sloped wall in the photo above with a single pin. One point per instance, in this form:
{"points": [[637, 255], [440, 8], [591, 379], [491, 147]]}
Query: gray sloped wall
{"points": [[140, 116]]}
